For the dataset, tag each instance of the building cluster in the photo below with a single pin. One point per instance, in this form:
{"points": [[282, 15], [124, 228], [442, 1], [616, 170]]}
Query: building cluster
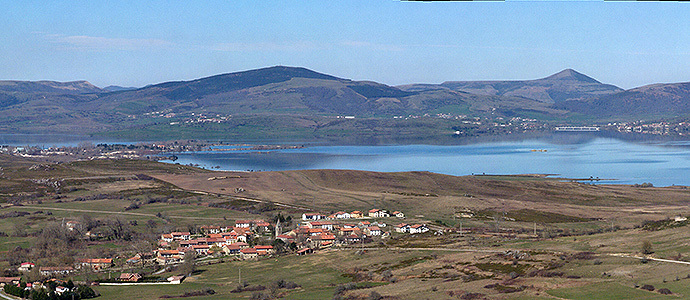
{"points": [[249, 240], [373, 213], [213, 240], [655, 128], [199, 118], [350, 233], [60, 287]]}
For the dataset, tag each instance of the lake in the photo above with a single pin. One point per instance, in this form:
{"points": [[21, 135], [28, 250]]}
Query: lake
{"points": [[612, 160]]}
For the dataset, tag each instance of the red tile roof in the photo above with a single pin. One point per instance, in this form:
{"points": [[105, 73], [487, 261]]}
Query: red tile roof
{"points": [[249, 251], [96, 261]]}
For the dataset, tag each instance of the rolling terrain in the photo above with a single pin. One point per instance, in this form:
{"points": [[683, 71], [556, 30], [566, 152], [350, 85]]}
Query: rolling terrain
{"points": [[655, 101], [587, 238], [306, 102], [565, 85]]}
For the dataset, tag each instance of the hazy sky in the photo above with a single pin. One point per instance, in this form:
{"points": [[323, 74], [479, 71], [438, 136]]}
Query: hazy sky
{"points": [[134, 43]]}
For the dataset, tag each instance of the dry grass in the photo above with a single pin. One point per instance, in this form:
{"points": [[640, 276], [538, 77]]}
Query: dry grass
{"points": [[442, 195]]}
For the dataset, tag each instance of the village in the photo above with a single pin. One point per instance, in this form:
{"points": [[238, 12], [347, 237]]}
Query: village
{"points": [[247, 240]]}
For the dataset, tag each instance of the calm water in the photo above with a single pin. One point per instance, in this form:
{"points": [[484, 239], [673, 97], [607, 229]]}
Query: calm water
{"points": [[662, 164]]}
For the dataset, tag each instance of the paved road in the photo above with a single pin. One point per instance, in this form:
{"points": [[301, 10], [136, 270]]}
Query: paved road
{"points": [[649, 258], [8, 297], [426, 249]]}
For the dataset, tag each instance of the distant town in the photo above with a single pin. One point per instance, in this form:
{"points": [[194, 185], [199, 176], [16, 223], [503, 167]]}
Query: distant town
{"points": [[469, 127]]}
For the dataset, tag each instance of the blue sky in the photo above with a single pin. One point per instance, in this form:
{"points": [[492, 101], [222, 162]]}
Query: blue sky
{"points": [[134, 43]]}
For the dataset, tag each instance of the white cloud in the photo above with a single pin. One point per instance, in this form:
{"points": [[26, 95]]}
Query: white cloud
{"points": [[98, 43], [372, 46], [270, 46]]}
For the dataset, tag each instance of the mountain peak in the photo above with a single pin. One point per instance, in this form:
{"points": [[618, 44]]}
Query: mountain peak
{"points": [[47, 86], [285, 72], [571, 75]]}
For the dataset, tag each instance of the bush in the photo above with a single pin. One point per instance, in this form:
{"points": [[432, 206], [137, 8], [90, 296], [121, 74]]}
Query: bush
{"points": [[246, 288], [647, 247], [587, 255], [260, 296], [14, 290], [664, 291], [648, 287], [471, 296], [374, 296], [387, 274]]}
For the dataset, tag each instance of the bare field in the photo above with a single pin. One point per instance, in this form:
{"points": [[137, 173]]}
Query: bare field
{"points": [[442, 195], [580, 229]]}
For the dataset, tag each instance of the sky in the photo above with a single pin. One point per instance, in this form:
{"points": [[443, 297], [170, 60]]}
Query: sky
{"points": [[136, 43]]}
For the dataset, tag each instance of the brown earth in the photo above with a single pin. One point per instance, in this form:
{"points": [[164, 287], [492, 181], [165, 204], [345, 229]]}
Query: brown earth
{"points": [[437, 195]]}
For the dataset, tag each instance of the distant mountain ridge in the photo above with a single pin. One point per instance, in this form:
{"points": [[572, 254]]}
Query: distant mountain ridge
{"points": [[295, 91], [116, 88], [72, 87], [649, 101], [562, 86]]}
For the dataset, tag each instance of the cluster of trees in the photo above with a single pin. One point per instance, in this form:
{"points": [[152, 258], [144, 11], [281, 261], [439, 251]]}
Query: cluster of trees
{"points": [[58, 245], [75, 292]]}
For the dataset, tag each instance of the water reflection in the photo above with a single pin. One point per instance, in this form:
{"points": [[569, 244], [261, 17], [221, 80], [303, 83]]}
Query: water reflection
{"points": [[598, 157]]}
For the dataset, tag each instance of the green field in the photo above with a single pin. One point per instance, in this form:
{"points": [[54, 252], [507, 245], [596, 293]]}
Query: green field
{"points": [[579, 230]]}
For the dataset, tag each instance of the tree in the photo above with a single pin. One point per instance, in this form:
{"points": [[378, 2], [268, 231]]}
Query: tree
{"points": [[143, 247], [19, 229], [87, 222], [188, 265], [279, 246], [33, 275], [647, 247]]}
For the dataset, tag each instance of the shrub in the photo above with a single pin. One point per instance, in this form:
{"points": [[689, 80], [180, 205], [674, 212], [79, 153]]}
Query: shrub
{"points": [[587, 255], [387, 274], [260, 296], [471, 296], [647, 247], [374, 296], [648, 287], [664, 291]]}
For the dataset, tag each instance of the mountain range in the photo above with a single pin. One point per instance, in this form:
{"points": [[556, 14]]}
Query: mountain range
{"points": [[562, 86], [48, 106]]}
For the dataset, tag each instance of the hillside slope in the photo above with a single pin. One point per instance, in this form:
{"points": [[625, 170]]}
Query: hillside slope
{"points": [[650, 101], [565, 85], [81, 107]]}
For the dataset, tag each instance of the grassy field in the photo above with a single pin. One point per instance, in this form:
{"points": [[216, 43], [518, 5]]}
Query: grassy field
{"points": [[580, 228]]}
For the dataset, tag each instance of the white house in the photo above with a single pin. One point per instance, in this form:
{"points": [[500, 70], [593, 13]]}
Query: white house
{"points": [[175, 279], [184, 236], [60, 290], [321, 224], [342, 215], [379, 224], [166, 237], [398, 214], [25, 267], [243, 223], [373, 230], [378, 213], [402, 228], [418, 228], [312, 216]]}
